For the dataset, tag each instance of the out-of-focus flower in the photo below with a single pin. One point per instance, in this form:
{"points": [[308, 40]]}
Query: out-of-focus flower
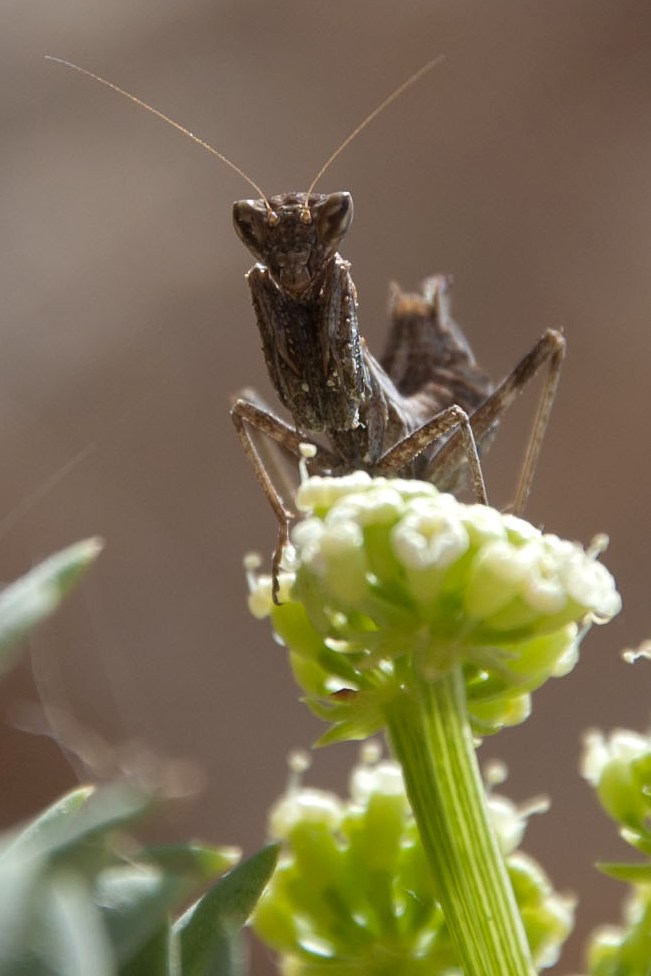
{"points": [[624, 950], [619, 768], [353, 893]]}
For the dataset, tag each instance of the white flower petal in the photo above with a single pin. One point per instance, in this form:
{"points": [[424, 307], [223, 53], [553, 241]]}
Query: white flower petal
{"points": [[304, 806], [429, 538], [383, 777], [318, 492]]}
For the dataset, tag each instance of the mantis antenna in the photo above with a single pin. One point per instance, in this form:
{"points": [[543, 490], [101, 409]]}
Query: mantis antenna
{"points": [[165, 118], [396, 93]]}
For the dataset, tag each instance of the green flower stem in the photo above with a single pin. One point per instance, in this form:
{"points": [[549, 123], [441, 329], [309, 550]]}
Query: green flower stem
{"points": [[431, 738]]}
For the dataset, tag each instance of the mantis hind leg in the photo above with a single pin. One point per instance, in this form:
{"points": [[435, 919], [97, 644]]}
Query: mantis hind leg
{"points": [[548, 351]]}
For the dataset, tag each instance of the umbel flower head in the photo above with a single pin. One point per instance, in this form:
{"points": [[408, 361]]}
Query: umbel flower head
{"points": [[386, 575], [618, 766], [354, 894]]}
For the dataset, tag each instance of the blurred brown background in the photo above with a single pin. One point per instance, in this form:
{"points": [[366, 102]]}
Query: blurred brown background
{"points": [[521, 166]]}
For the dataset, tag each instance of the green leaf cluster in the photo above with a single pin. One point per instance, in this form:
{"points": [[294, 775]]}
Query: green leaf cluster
{"points": [[78, 895], [37, 594]]}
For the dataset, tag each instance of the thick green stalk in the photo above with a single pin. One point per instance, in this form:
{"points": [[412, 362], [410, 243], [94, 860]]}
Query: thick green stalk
{"points": [[432, 740]]}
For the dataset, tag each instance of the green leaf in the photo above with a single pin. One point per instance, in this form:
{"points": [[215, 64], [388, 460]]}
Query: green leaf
{"points": [[631, 873], [154, 957], [19, 892], [33, 597], [48, 910], [201, 862], [51, 819], [70, 939], [135, 902], [138, 897], [208, 931], [23, 863], [84, 838]]}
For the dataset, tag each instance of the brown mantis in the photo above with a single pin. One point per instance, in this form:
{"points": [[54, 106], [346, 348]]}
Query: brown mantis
{"points": [[421, 411]]}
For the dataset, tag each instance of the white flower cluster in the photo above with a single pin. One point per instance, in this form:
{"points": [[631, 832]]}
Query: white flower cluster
{"points": [[430, 532], [622, 747], [387, 571]]}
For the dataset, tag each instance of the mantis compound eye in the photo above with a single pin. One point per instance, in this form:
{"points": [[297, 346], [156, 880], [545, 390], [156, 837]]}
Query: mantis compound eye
{"points": [[333, 216], [251, 219]]}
